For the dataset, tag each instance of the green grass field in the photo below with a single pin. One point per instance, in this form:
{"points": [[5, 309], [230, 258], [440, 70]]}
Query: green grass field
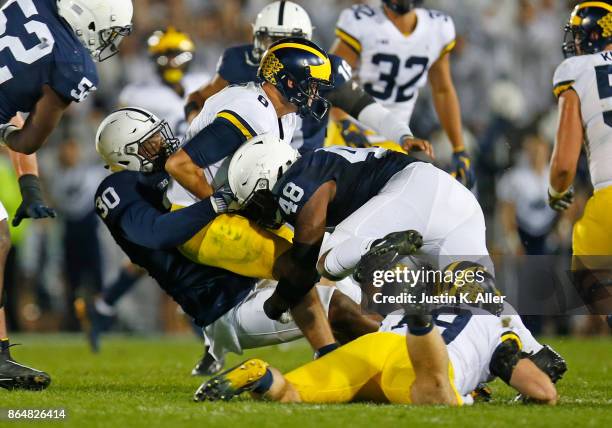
{"points": [[145, 382]]}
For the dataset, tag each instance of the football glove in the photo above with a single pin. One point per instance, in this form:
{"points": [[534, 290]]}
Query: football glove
{"points": [[32, 204], [6, 130], [223, 200], [461, 168], [353, 135], [560, 201]]}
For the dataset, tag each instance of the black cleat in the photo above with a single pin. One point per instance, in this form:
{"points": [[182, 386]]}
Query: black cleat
{"points": [[208, 366], [482, 393], [17, 376], [244, 377], [386, 252]]}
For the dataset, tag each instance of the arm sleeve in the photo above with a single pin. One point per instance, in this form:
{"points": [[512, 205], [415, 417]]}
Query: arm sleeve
{"points": [[216, 141], [384, 122], [146, 226]]}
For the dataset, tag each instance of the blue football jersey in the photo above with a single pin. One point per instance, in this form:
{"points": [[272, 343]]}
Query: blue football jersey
{"points": [[359, 173], [37, 47], [238, 66], [204, 292]]}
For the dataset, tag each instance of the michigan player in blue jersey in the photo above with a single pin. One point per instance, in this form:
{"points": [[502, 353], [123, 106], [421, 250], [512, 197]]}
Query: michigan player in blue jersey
{"points": [[379, 203], [47, 54], [239, 64]]}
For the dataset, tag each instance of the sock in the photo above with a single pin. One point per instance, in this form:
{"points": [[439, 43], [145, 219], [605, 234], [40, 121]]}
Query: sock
{"points": [[4, 345], [121, 286], [265, 383], [342, 259], [326, 350]]}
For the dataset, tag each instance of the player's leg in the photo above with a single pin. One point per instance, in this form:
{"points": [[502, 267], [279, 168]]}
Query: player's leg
{"points": [[12, 374], [339, 377], [239, 245]]}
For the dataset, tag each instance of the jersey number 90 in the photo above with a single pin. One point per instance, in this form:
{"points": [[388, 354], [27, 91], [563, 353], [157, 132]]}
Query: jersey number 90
{"points": [[12, 43]]}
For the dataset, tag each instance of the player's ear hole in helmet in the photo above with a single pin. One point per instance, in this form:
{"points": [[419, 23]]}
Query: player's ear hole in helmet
{"points": [[402, 7], [136, 140], [252, 174], [172, 51], [100, 25], [589, 29], [279, 20], [299, 69]]}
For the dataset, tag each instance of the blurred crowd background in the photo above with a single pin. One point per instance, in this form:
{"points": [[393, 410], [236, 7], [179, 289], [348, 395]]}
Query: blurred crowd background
{"points": [[503, 64]]}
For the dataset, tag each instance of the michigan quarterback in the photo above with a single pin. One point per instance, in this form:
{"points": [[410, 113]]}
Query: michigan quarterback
{"points": [[583, 85], [172, 52], [398, 48], [47, 60], [281, 19]]}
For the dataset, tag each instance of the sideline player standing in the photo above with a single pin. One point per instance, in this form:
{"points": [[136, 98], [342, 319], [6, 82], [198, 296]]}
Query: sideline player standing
{"points": [[398, 48], [583, 85]]}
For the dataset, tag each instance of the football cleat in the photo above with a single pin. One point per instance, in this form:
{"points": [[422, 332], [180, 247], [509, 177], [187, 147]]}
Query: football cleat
{"points": [[386, 252], [208, 366], [482, 393], [244, 377], [93, 323], [17, 376]]}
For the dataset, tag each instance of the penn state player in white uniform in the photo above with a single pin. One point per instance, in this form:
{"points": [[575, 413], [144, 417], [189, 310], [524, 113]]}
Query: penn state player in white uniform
{"points": [[397, 48], [583, 84], [46, 63], [172, 52], [239, 65]]}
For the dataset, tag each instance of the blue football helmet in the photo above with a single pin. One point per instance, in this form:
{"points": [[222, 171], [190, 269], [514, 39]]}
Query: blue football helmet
{"points": [[402, 7], [589, 29]]}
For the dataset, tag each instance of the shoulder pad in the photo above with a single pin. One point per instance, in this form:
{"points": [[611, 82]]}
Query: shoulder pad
{"points": [[74, 77], [350, 25], [443, 29], [341, 69], [237, 65]]}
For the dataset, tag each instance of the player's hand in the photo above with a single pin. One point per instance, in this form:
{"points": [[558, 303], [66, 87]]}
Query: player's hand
{"points": [[6, 130], [461, 168], [353, 135], [411, 144], [223, 200], [32, 205], [275, 306], [560, 201]]}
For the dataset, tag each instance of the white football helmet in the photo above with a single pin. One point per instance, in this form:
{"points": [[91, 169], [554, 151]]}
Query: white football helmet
{"points": [[99, 24], [122, 137], [257, 166], [279, 20]]}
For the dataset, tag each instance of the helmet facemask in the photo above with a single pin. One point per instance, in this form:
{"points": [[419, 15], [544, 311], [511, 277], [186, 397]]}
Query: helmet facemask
{"points": [[110, 39], [263, 38], [305, 96], [154, 149], [262, 206]]}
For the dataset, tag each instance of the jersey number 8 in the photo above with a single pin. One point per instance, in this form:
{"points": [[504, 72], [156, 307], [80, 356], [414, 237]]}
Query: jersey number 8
{"points": [[21, 54]]}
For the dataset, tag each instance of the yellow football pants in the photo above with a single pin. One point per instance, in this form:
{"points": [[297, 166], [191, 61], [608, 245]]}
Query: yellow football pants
{"points": [[592, 235], [374, 367], [239, 245]]}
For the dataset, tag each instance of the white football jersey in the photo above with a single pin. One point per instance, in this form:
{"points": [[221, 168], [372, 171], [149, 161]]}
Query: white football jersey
{"points": [[393, 66], [591, 77], [249, 109], [471, 337], [163, 101]]}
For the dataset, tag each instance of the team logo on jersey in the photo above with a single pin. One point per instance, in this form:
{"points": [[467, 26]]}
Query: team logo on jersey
{"points": [[606, 24], [270, 67]]}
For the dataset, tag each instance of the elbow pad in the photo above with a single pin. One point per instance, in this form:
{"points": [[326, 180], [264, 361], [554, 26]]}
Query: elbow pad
{"points": [[505, 358]]}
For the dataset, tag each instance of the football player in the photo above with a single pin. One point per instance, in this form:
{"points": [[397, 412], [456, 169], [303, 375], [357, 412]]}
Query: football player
{"points": [[172, 52], [583, 85], [416, 358], [398, 48], [48, 60], [380, 203], [14, 375], [239, 65], [136, 143]]}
